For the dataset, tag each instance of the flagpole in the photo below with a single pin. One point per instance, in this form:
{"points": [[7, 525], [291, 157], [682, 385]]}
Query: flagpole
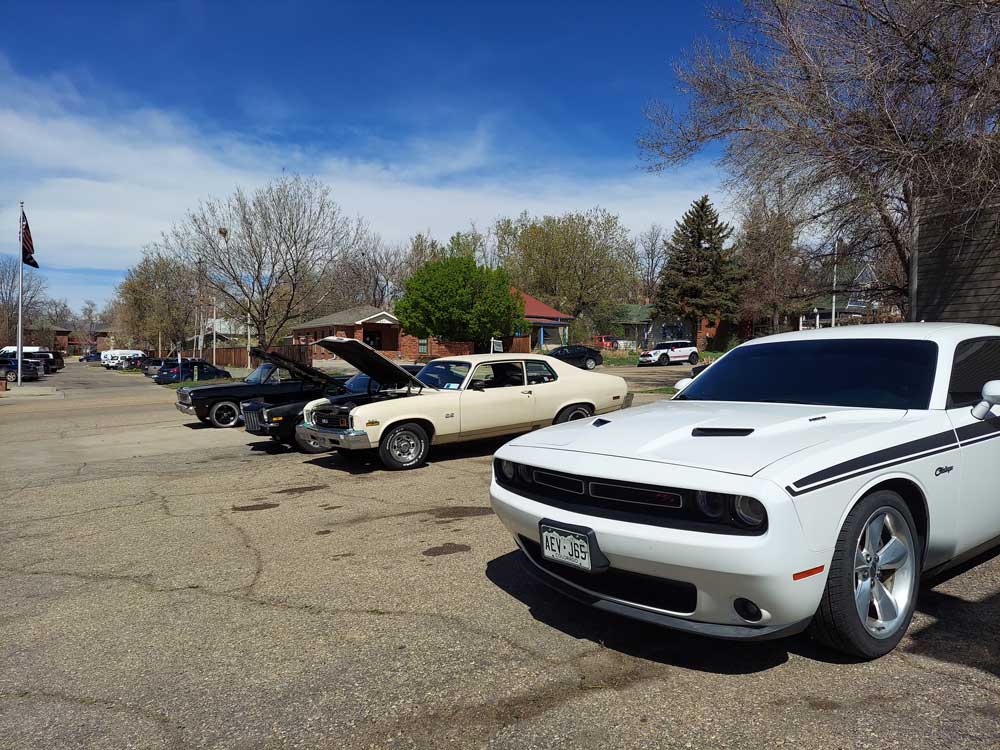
{"points": [[20, 290]]}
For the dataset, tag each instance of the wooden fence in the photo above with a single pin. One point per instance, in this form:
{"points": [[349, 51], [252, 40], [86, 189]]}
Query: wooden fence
{"points": [[236, 356]]}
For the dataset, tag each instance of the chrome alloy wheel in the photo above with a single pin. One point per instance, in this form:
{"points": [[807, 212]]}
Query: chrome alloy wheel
{"points": [[405, 446], [884, 575]]}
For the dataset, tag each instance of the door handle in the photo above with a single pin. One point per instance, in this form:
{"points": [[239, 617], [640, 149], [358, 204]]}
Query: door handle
{"points": [[527, 393]]}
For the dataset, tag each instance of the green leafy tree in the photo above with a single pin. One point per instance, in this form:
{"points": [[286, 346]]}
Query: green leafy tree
{"points": [[453, 298], [699, 278]]}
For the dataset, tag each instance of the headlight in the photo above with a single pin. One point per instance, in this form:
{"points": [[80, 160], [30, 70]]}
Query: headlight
{"points": [[749, 511], [524, 473], [507, 469], [712, 504]]}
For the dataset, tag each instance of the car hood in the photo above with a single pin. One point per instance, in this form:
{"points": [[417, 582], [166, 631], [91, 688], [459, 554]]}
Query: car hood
{"points": [[298, 369], [737, 438], [370, 362]]}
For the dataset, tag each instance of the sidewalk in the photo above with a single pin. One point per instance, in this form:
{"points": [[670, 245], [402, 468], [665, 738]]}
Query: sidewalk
{"points": [[40, 392]]}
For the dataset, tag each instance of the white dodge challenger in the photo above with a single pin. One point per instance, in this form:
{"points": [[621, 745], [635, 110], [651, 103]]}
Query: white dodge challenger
{"points": [[806, 480]]}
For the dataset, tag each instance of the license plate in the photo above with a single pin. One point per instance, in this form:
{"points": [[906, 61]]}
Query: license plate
{"points": [[566, 547]]}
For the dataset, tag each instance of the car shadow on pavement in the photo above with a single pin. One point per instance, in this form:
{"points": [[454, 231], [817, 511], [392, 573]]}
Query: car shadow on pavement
{"points": [[270, 447], [632, 637], [198, 426], [964, 632], [365, 462]]}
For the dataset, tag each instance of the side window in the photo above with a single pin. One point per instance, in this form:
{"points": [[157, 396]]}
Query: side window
{"points": [[539, 372], [976, 362], [500, 374]]}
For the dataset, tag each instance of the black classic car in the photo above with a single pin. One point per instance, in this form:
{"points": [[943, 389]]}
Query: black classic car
{"points": [[278, 421], [586, 357], [278, 379]]}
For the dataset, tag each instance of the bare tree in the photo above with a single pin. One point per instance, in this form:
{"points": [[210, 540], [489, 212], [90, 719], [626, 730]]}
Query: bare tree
{"points": [[651, 254], [268, 254], [861, 110], [374, 272], [34, 298]]}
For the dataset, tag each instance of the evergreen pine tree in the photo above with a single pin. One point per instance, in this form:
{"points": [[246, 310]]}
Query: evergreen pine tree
{"points": [[698, 280]]}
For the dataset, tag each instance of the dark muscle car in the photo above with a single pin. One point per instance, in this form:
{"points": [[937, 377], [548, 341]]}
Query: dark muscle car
{"points": [[278, 421], [278, 379]]}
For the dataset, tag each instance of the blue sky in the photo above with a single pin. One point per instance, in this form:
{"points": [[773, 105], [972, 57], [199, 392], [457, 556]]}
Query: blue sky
{"points": [[117, 117]]}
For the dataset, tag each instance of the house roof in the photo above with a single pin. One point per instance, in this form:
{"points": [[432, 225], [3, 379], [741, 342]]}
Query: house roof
{"points": [[535, 309], [349, 317]]}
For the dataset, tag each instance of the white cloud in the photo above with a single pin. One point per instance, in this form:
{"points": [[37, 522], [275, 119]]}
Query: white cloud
{"points": [[101, 179]]}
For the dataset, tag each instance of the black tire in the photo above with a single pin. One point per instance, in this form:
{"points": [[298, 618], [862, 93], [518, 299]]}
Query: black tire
{"points": [[10, 376], [224, 414], [573, 412], [404, 446], [837, 623], [663, 360], [693, 359], [590, 363]]}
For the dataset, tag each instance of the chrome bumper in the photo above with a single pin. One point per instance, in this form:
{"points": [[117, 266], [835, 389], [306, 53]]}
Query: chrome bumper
{"points": [[352, 440], [186, 409]]}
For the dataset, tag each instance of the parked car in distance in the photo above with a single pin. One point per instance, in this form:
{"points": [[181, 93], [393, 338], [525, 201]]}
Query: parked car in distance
{"points": [[454, 399], [188, 371], [219, 405], [8, 370], [804, 480], [279, 421], [111, 356], [49, 361], [606, 342], [578, 355], [91, 357], [669, 352], [130, 362]]}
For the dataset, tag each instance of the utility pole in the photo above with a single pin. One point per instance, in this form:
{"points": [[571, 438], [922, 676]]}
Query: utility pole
{"points": [[215, 324], [833, 306]]}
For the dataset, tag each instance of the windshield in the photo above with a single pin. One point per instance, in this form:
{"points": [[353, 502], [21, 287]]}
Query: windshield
{"points": [[447, 375], [359, 384], [260, 375], [865, 373]]}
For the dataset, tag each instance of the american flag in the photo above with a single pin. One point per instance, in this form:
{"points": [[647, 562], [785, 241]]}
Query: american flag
{"points": [[27, 246]]}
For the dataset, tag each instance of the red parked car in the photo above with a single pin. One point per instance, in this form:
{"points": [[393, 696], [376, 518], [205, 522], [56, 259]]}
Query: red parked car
{"points": [[606, 342]]}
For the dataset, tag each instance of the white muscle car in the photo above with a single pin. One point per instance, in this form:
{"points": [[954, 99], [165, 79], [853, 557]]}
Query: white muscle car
{"points": [[453, 399], [805, 480]]}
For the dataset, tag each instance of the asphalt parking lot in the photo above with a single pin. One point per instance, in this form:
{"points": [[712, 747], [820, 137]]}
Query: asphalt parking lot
{"points": [[167, 585]]}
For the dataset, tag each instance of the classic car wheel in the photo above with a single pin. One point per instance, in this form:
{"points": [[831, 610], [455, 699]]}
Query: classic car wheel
{"points": [[404, 446], [572, 413], [224, 414], [871, 591], [11, 376], [590, 364], [693, 359]]}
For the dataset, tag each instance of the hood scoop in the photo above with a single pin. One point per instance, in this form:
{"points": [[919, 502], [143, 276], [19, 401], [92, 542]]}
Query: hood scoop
{"points": [[600, 422], [721, 431]]}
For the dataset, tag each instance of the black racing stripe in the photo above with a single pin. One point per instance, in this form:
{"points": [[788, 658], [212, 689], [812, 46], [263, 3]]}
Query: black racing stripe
{"points": [[982, 439], [940, 440], [795, 493], [979, 428]]}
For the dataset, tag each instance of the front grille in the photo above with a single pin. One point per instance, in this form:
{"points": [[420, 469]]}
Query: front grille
{"points": [[336, 421], [636, 588], [652, 505], [252, 420]]}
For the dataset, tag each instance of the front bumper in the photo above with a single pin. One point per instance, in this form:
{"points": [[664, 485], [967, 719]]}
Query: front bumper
{"points": [[721, 567], [186, 409], [352, 440]]}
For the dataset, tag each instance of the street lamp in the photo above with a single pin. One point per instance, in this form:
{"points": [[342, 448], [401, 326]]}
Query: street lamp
{"points": [[816, 313]]}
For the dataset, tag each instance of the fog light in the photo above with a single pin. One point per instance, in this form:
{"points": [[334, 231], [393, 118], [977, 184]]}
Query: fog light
{"points": [[749, 511], [507, 468], [747, 610]]}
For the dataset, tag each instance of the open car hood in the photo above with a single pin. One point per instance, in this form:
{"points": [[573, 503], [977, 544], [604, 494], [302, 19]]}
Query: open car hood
{"points": [[383, 371], [299, 370]]}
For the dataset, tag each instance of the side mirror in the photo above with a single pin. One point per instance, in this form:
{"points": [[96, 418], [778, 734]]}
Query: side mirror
{"points": [[683, 383], [477, 385], [991, 397]]}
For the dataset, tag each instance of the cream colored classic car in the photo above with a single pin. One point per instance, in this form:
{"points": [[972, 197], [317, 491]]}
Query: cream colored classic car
{"points": [[453, 399]]}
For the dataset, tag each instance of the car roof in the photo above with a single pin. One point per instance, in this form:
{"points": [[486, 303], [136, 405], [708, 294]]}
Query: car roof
{"points": [[942, 333], [496, 357]]}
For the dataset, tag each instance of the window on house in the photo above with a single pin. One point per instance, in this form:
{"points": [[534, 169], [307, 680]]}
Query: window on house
{"points": [[421, 346]]}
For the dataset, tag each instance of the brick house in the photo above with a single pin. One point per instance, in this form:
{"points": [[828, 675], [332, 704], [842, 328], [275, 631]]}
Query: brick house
{"points": [[63, 337], [378, 328]]}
